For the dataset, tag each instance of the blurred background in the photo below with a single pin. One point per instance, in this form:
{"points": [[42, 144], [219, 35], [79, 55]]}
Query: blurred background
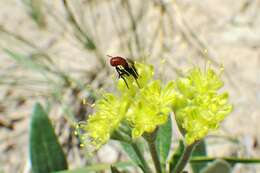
{"points": [[54, 51]]}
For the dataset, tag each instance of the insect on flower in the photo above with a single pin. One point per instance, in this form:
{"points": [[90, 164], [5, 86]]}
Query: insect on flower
{"points": [[124, 67]]}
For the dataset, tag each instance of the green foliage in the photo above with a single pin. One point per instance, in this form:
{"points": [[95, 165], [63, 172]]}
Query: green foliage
{"points": [[114, 169], [45, 151], [176, 155], [199, 150], [230, 160], [164, 140], [218, 166], [133, 151]]}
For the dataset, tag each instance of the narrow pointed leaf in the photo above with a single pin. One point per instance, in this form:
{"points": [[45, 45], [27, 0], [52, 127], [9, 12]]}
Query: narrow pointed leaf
{"points": [[45, 151], [164, 140], [230, 160], [128, 148]]}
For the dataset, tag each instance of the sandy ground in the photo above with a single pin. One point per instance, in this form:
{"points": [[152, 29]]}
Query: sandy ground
{"points": [[192, 32]]}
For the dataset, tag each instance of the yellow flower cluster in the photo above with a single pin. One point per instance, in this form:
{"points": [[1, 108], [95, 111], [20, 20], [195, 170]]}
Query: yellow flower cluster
{"points": [[151, 108], [146, 104], [198, 107], [107, 118]]}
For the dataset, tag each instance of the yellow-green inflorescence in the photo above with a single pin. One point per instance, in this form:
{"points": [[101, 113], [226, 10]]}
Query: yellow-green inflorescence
{"points": [[143, 105], [146, 104], [110, 111], [151, 108], [198, 106]]}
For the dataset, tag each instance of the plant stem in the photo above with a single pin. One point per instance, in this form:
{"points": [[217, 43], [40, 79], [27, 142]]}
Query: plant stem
{"points": [[146, 168], [184, 158], [231, 160], [150, 138], [155, 157]]}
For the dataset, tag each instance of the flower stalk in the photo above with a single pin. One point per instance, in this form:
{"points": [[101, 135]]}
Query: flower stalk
{"points": [[150, 138], [184, 158]]}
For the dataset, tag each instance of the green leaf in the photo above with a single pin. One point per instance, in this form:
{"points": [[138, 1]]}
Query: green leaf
{"points": [[176, 155], [114, 169], [129, 149], [231, 160], [199, 150], [97, 168], [45, 151], [218, 166], [163, 140]]}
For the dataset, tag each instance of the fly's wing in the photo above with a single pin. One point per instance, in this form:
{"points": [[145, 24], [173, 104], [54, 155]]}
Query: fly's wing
{"points": [[132, 70]]}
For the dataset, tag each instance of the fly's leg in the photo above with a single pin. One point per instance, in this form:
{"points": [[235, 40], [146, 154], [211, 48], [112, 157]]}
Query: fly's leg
{"points": [[129, 72], [135, 74], [125, 82], [137, 83], [120, 74]]}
